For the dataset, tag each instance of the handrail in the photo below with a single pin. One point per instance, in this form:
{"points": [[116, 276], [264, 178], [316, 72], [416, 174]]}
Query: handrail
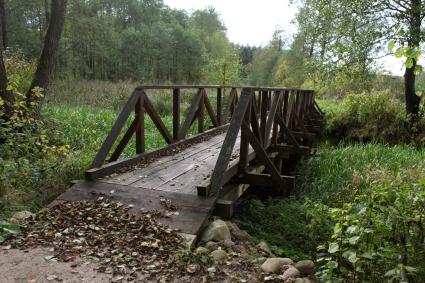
{"points": [[260, 98]]}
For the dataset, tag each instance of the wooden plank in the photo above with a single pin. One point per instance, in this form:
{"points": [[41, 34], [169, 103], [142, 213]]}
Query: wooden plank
{"points": [[262, 155], [284, 149], [219, 109], [229, 141], [190, 116], [210, 110], [176, 114], [173, 161], [287, 132], [192, 210], [124, 141], [140, 129], [270, 118], [263, 114], [266, 180], [112, 167], [157, 120], [201, 112], [116, 129]]}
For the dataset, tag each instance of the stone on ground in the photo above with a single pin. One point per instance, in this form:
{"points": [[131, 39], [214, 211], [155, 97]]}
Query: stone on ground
{"points": [[263, 247], [216, 231], [219, 255], [306, 267], [274, 264], [21, 216], [291, 272], [237, 233]]}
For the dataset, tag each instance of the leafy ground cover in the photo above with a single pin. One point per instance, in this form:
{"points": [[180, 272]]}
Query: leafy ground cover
{"points": [[359, 212]]}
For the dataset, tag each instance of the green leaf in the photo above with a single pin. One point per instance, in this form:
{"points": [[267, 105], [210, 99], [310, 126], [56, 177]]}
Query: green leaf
{"points": [[391, 45], [2, 239], [409, 63], [418, 69], [333, 248], [351, 256], [332, 264], [399, 52], [353, 240]]}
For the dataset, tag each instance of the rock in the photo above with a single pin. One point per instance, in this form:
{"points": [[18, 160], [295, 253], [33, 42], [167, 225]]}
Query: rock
{"points": [[211, 245], [306, 267], [200, 250], [291, 272], [237, 233], [228, 243], [264, 248], [21, 216], [274, 264], [216, 231], [301, 280], [240, 249], [218, 255]]}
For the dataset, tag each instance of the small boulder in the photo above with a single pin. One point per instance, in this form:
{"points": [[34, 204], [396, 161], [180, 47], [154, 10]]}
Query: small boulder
{"points": [[274, 264], [228, 243], [237, 233], [263, 248], [219, 255], [211, 245], [302, 280], [306, 267], [21, 216], [240, 249], [291, 272], [216, 231]]}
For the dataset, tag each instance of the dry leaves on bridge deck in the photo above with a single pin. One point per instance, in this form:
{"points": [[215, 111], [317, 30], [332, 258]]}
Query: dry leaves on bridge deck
{"points": [[105, 232]]}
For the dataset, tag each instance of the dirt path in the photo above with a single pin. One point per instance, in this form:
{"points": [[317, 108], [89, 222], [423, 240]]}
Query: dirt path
{"points": [[33, 266]]}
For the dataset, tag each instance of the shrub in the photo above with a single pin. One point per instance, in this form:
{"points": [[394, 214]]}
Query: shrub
{"points": [[370, 117]]}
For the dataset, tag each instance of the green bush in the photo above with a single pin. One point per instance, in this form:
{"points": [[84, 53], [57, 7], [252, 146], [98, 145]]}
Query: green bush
{"points": [[364, 117]]}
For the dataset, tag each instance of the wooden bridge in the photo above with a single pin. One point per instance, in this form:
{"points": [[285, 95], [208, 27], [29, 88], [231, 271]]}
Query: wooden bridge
{"points": [[255, 137]]}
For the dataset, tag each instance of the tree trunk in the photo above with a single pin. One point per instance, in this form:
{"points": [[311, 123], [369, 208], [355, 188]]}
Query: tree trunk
{"points": [[4, 94], [43, 74], [3, 25], [412, 100]]}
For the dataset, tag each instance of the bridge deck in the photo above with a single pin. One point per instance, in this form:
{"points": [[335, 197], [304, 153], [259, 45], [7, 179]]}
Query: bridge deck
{"points": [[174, 178]]}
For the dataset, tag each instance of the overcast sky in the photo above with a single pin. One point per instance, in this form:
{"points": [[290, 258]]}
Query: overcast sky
{"points": [[253, 22], [247, 22]]}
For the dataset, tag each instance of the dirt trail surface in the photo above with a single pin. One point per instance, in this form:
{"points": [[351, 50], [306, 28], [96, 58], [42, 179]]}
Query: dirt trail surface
{"points": [[31, 266]]}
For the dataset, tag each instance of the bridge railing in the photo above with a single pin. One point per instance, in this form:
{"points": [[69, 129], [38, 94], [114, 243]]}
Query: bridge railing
{"points": [[265, 103]]}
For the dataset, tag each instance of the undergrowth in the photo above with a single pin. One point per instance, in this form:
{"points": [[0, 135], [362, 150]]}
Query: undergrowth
{"points": [[358, 211]]}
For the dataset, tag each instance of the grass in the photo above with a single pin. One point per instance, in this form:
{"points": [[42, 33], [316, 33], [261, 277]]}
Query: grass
{"points": [[329, 179]]}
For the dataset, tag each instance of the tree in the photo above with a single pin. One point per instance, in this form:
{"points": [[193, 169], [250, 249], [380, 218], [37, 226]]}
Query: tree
{"points": [[3, 24], [43, 74]]}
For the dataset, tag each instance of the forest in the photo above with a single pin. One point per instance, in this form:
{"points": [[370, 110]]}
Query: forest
{"points": [[67, 68]]}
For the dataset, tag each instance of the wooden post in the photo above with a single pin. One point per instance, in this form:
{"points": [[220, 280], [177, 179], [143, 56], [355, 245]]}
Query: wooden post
{"points": [[176, 114], [244, 145], [263, 115], [140, 130], [219, 107], [201, 113]]}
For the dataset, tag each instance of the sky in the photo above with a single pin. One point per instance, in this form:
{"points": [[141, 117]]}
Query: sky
{"points": [[248, 21], [252, 22]]}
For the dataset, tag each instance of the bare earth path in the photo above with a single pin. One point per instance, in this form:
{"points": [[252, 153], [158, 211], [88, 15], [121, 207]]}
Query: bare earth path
{"points": [[31, 266]]}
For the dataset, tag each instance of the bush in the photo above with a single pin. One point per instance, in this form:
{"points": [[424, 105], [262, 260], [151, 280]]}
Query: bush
{"points": [[370, 117]]}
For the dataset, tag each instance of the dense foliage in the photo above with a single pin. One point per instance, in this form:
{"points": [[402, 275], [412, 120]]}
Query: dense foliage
{"points": [[132, 39], [359, 212]]}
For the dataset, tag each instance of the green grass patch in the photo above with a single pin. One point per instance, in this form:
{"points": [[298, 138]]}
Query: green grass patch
{"points": [[358, 211]]}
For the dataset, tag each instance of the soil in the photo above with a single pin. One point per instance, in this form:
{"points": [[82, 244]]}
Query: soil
{"points": [[31, 266]]}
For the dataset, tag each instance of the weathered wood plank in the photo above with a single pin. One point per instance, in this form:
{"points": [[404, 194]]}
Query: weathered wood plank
{"points": [[116, 129], [229, 141]]}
